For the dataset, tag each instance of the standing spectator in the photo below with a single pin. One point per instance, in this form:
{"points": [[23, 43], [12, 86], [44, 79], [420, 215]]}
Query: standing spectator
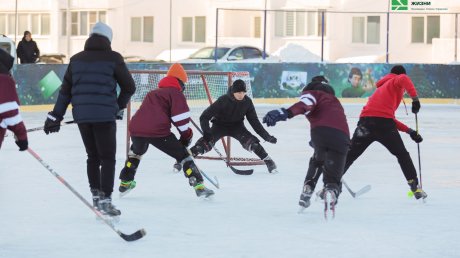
{"points": [[27, 50], [90, 84], [9, 104]]}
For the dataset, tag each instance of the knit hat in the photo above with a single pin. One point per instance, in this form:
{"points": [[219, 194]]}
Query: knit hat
{"points": [[321, 86], [238, 86], [6, 61], [102, 29], [176, 70], [398, 69], [319, 78]]}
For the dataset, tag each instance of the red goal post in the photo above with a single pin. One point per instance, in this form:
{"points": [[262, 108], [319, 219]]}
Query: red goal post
{"points": [[201, 90]]}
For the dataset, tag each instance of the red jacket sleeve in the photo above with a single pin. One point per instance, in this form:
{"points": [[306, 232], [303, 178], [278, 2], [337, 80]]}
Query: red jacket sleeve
{"points": [[306, 104], [406, 82], [400, 126], [180, 115]]}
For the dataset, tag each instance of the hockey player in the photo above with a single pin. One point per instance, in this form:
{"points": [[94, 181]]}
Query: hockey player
{"points": [[9, 104], [377, 122], [90, 84], [152, 125], [227, 115], [330, 136]]}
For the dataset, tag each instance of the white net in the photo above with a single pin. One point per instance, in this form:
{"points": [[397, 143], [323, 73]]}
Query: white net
{"points": [[202, 89]]}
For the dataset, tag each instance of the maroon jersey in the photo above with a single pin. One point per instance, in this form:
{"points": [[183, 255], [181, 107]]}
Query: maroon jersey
{"points": [[161, 108], [321, 109], [9, 109]]}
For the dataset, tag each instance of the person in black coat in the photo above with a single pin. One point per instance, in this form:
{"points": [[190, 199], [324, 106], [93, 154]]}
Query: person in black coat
{"points": [[90, 85], [27, 50], [227, 115]]}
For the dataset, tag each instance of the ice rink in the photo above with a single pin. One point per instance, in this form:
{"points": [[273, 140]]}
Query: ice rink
{"points": [[250, 216]]}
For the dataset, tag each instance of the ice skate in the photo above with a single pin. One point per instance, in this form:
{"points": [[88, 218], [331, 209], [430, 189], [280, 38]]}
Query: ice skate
{"points": [[305, 196], [126, 187], [270, 165], [177, 167], [416, 191], [107, 208], [96, 197], [203, 192]]}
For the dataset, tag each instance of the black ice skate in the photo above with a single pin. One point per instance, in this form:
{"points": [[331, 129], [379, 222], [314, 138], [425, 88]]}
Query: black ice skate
{"points": [[331, 195], [96, 197], [270, 165], [177, 167], [305, 196], [203, 192], [107, 208], [416, 190]]}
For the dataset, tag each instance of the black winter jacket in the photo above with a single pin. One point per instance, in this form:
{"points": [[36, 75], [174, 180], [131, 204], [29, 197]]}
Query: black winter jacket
{"points": [[90, 83], [229, 112], [28, 51]]}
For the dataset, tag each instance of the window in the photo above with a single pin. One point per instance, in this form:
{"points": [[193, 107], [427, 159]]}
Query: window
{"points": [[194, 29], [81, 22], [142, 29], [297, 24], [432, 28], [238, 54], [3, 24], [418, 29], [250, 52], [373, 29], [257, 27], [11, 24], [366, 30]]}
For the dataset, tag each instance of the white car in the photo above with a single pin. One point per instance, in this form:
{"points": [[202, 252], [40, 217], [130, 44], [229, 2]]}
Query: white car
{"points": [[8, 45], [226, 54]]}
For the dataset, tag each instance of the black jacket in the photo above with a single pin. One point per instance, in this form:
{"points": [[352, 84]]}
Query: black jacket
{"points": [[90, 83], [6, 62], [229, 112], [28, 51]]}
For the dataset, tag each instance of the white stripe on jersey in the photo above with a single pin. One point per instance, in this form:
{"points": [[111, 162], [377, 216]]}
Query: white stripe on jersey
{"points": [[8, 106], [308, 99], [184, 128], [180, 117], [10, 121]]}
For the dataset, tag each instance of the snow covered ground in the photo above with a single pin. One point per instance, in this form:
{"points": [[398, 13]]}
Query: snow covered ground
{"points": [[250, 216]]}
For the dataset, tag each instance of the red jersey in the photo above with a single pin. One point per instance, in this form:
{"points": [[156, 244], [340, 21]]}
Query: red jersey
{"points": [[387, 97], [161, 108], [9, 109]]}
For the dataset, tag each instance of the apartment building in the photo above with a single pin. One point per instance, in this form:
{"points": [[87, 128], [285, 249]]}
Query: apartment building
{"points": [[334, 29]]}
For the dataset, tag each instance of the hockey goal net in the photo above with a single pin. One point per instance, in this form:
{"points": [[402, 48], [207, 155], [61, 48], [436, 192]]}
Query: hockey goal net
{"points": [[201, 90]]}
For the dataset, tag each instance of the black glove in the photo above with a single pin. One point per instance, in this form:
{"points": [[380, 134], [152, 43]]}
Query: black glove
{"points": [[119, 115], [22, 144], [415, 136], [271, 139], [274, 116], [186, 138], [52, 123], [415, 106]]}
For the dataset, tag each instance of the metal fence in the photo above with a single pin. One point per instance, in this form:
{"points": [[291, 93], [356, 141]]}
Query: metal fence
{"points": [[344, 37]]}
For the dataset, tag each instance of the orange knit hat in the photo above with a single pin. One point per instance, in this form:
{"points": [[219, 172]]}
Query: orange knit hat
{"points": [[176, 70]]}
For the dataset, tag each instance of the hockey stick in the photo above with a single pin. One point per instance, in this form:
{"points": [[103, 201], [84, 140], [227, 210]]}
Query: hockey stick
{"points": [[215, 183], [362, 191], [132, 237], [236, 171], [42, 127], [418, 149]]}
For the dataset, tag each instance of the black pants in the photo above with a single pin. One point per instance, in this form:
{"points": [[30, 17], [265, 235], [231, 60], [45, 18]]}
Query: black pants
{"points": [[169, 145], [101, 146], [384, 131], [331, 147], [241, 134]]}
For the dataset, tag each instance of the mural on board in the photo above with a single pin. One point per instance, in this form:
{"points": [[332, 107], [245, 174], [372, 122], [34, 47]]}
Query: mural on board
{"points": [[39, 84]]}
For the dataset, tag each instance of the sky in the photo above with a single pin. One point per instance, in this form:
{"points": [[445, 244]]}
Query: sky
{"points": [[249, 216]]}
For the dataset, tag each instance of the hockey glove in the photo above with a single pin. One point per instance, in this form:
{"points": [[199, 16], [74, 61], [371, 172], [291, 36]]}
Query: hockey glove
{"points": [[22, 144], [119, 115], [271, 139], [52, 123], [274, 116], [415, 136], [186, 138], [415, 106]]}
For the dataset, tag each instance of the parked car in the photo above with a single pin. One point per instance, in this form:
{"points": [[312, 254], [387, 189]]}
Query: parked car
{"points": [[8, 45], [225, 54]]}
